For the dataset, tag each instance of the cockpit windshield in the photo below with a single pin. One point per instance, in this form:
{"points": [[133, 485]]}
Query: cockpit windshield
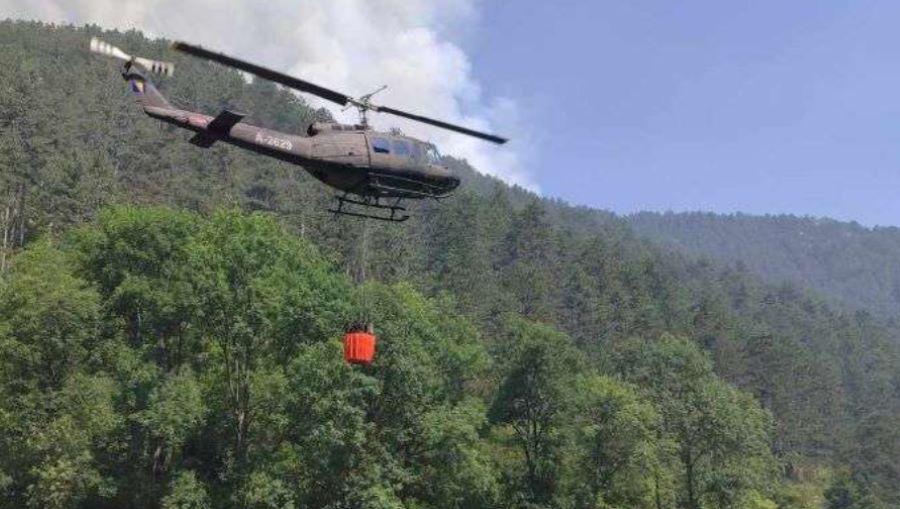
{"points": [[432, 155]]}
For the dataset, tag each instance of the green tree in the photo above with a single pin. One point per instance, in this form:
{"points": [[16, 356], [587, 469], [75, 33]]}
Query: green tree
{"points": [[615, 445], [262, 293], [533, 399], [186, 492], [848, 492], [455, 472], [721, 435], [52, 317]]}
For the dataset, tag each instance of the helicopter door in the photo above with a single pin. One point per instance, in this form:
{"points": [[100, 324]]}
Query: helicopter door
{"points": [[345, 148]]}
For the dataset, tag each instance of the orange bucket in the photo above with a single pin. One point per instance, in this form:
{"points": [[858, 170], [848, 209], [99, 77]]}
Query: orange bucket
{"points": [[359, 347]]}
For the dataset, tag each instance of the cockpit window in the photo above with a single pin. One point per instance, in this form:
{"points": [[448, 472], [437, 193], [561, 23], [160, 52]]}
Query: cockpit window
{"points": [[381, 145], [432, 155], [401, 148]]}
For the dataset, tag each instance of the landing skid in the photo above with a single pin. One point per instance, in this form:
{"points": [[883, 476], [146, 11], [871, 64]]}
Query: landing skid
{"points": [[397, 213]]}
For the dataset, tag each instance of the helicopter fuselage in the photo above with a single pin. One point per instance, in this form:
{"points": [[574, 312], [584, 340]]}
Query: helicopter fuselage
{"points": [[350, 158]]}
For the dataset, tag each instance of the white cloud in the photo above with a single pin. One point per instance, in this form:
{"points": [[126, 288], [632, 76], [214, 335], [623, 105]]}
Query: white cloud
{"points": [[354, 46]]}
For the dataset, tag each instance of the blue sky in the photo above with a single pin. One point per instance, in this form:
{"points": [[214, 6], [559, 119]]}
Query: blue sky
{"points": [[759, 107]]}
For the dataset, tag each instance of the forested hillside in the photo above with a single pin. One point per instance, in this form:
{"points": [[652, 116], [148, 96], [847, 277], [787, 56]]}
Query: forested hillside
{"points": [[855, 266], [170, 317]]}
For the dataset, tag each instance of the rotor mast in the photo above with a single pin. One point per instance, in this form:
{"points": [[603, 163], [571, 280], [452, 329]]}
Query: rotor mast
{"points": [[363, 104]]}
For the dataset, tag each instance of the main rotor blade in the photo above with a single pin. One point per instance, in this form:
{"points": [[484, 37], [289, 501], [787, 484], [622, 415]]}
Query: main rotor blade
{"points": [[464, 130], [262, 72]]}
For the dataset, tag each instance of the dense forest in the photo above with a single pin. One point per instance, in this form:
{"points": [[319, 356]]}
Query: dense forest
{"points": [[854, 266], [170, 323]]}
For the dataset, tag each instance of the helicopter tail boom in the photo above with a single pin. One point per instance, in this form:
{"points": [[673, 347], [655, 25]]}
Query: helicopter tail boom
{"points": [[144, 90]]}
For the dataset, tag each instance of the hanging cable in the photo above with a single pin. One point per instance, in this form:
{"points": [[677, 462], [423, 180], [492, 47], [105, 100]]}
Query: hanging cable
{"points": [[359, 339]]}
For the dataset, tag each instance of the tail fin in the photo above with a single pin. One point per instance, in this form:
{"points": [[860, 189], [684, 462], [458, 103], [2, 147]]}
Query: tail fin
{"points": [[144, 90]]}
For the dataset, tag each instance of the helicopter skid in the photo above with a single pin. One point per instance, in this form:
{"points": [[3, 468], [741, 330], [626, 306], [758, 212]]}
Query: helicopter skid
{"points": [[397, 213], [400, 187]]}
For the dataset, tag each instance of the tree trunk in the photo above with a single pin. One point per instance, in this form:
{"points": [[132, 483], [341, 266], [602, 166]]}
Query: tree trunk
{"points": [[692, 502], [6, 233], [243, 421], [19, 215], [659, 503], [158, 465]]}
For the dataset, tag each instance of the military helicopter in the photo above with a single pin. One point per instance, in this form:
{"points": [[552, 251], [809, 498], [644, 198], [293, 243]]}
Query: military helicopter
{"points": [[374, 170]]}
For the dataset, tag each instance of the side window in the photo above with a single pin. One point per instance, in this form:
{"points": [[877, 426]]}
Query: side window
{"points": [[417, 151], [381, 145], [401, 148], [432, 154]]}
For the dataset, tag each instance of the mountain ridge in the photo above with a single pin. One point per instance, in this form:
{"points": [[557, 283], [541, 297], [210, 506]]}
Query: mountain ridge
{"points": [[855, 266]]}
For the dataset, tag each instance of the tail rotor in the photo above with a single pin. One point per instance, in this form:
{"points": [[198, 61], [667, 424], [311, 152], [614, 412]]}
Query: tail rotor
{"points": [[156, 66]]}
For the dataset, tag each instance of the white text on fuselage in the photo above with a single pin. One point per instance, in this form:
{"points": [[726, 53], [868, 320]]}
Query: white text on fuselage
{"points": [[272, 141]]}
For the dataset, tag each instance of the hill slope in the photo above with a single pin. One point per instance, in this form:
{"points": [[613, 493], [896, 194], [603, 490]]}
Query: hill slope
{"points": [[855, 266]]}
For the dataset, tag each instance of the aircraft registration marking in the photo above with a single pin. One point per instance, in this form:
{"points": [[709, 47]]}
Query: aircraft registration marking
{"points": [[272, 141]]}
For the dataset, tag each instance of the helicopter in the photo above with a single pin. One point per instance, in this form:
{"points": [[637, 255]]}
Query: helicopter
{"points": [[373, 170]]}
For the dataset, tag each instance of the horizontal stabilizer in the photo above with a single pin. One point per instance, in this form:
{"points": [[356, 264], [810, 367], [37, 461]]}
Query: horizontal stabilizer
{"points": [[217, 128], [224, 121]]}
